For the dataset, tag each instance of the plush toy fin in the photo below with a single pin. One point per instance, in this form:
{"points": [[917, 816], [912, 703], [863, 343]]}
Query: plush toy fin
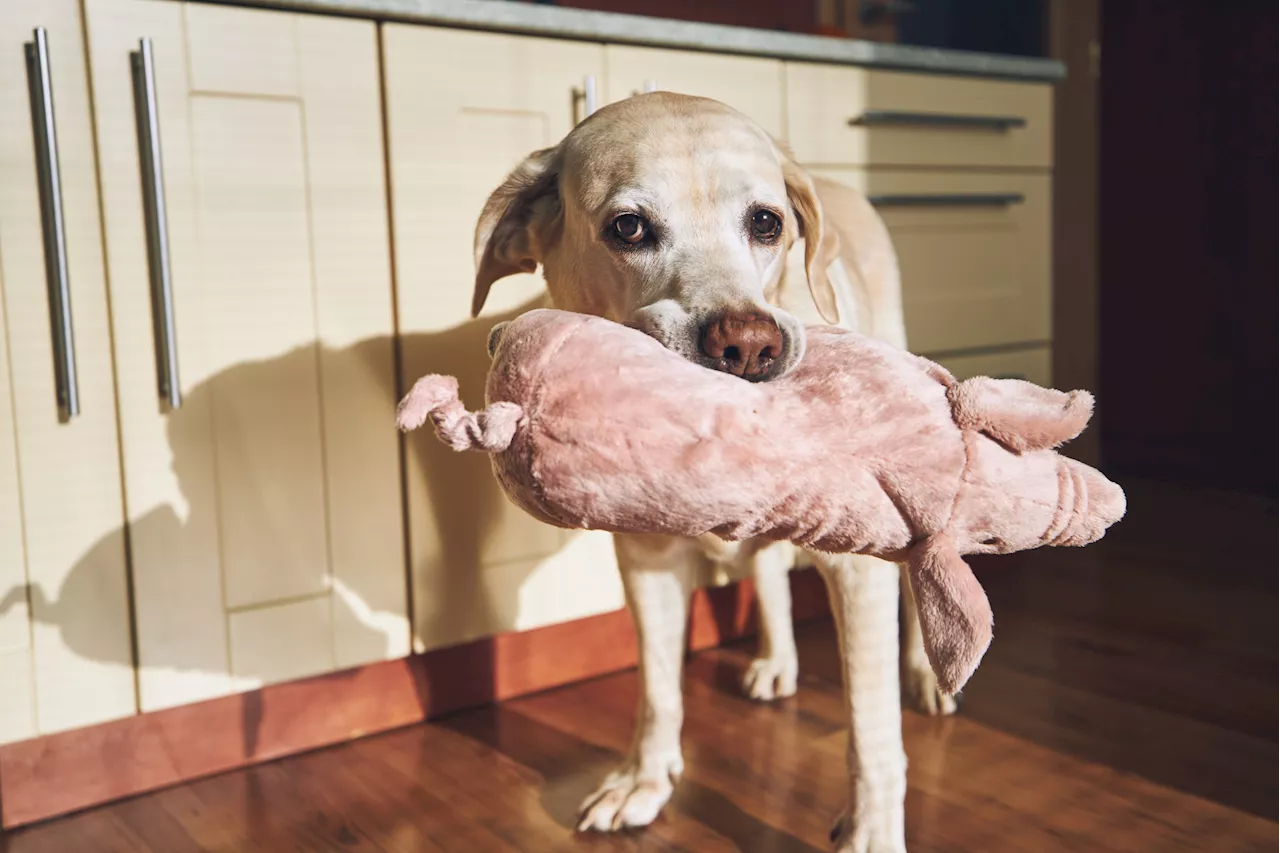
{"points": [[436, 397], [1020, 415], [955, 616]]}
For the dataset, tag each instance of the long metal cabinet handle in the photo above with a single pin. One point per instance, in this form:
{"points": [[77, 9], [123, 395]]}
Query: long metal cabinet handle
{"points": [[947, 199], [887, 118], [153, 206], [49, 178], [649, 86], [587, 94]]}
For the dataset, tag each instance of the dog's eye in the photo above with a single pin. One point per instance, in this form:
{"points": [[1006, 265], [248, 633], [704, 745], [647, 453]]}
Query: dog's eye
{"points": [[765, 226], [630, 229]]}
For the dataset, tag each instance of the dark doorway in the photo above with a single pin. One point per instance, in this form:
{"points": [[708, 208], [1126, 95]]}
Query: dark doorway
{"points": [[1188, 241]]}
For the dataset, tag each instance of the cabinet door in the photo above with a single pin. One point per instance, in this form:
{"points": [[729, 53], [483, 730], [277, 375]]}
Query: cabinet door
{"points": [[748, 84], [463, 109], [17, 684], [974, 253], [264, 513], [839, 115], [65, 656], [1034, 364]]}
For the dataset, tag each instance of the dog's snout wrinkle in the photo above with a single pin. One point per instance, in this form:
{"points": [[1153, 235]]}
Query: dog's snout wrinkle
{"points": [[745, 343]]}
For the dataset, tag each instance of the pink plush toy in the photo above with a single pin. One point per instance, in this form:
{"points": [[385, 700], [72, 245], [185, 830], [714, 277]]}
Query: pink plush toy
{"points": [[862, 448]]}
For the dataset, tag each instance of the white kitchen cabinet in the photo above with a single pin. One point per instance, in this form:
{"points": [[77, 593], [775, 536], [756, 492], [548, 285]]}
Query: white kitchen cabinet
{"points": [[463, 109], [974, 250], [1033, 364], [261, 470], [65, 653], [749, 84], [839, 115]]}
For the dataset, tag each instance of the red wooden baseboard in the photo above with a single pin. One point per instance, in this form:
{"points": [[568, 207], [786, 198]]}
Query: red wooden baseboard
{"points": [[60, 773]]}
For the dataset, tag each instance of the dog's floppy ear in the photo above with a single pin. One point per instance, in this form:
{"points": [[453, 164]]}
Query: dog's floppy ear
{"points": [[512, 229], [821, 245]]}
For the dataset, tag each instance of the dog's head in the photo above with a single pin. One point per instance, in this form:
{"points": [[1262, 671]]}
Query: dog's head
{"points": [[672, 214]]}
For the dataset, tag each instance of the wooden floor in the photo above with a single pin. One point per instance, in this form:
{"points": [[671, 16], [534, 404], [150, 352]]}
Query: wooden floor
{"points": [[1129, 703]]}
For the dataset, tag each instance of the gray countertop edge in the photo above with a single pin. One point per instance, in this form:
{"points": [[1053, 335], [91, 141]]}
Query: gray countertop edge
{"points": [[612, 27]]}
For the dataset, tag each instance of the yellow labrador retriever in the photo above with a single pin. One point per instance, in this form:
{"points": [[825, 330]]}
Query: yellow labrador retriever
{"points": [[683, 218]]}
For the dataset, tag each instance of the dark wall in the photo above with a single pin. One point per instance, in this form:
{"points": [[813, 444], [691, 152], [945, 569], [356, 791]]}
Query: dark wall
{"points": [[998, 26], [1017, 27], [1188, 241]]}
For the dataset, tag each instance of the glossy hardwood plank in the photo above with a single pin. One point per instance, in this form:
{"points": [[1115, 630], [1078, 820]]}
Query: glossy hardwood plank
{"points": [[1117, 711]]}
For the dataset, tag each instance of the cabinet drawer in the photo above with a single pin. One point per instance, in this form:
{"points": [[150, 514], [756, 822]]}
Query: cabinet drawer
{"points": [[974, 253], [1034, 365], [855, 116], [748, 84]]}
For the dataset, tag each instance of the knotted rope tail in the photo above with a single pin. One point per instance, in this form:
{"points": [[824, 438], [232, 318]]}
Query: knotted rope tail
{"points": [[436, 397]]}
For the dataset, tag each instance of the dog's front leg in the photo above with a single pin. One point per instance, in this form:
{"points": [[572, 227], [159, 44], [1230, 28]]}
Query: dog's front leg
{"points": [[773, 674], [864, 601], [658, 575]]}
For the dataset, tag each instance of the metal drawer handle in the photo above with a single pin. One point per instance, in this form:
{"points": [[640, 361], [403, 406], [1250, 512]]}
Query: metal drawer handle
{"points": [[891, 118], [153, 208], [49, 179], [947, 200], [587, 96]]}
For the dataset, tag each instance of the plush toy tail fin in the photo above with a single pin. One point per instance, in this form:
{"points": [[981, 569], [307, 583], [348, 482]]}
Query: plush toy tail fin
{"points": [[955, 615], [1020, 415], [436, 397]]}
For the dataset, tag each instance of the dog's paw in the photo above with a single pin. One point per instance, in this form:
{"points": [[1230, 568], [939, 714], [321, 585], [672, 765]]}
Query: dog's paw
{"points": [[878, 832], [771, 677], [920, 691], [631, 796]]}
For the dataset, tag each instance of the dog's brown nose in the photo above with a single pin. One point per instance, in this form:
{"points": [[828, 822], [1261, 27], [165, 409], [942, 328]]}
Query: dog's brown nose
{"points": [[743, 343]]}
